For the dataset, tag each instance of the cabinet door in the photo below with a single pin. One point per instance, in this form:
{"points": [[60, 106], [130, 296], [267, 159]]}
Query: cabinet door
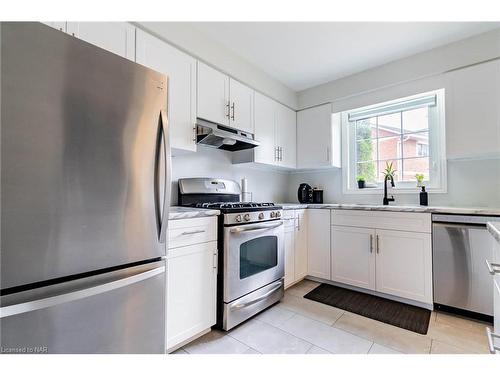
{"points": [[287, 136], [289, 254], [242, 106], [314, 137], [116, 37], [353, 256], [213, 95], [265, 124], [181, 71], [61, 26], [404, 264], [191, 292], [300, 244], [318, 243]]}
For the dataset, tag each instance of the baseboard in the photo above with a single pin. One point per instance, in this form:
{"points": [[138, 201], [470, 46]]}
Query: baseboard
{"points": [[428, 306]]}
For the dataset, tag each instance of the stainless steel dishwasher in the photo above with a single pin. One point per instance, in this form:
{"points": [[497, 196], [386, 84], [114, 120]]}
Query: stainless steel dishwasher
{"points": [[460, 246]]}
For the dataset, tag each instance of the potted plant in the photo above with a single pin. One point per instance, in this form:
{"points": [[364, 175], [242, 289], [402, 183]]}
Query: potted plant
{"points": [[420, 178], [389, 170], [361, 182]]}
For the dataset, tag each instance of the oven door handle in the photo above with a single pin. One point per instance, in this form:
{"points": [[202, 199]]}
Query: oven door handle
{"points": [[240, 306], [253, 228]]}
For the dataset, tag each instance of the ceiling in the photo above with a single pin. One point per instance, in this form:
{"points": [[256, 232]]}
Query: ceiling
{"points": [[306, 54]]}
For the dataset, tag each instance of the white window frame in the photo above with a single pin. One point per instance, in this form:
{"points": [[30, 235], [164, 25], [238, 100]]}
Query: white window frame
{"points": [[437, 150]]}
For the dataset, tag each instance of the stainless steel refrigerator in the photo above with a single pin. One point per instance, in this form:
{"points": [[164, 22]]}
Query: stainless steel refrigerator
{"points": [[84, 184]]}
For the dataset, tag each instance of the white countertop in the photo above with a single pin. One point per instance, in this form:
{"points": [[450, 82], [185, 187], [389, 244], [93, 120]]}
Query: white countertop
{"points": [[178, 212], [494, 229], [396, 208]]}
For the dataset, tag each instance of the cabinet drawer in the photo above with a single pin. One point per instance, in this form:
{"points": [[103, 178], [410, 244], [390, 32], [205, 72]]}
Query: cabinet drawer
{"points": [[191, 231], [406, 221]]}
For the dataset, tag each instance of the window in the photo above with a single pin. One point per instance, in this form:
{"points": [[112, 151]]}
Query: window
{"points": [[407, 132]]}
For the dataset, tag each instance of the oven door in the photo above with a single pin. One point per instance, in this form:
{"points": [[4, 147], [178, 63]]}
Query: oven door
{"points": [[253, 257]]}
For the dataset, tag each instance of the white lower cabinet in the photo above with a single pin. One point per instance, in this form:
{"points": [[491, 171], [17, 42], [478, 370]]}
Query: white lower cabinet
{"points": [[404, 264], [318, 243], [289, 251], [353, 256], [300, 232], [295, 246], [393, 262], [191, 284]]}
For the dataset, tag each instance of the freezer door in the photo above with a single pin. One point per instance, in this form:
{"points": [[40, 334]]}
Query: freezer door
{"points": [[116, 312], [84, 166]]}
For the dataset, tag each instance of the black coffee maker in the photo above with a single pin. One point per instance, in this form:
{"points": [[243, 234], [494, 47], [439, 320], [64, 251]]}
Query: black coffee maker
{"points": [[305, 193]]}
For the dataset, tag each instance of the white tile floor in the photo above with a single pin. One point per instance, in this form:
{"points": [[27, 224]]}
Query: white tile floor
{"points": [[300, 326]]}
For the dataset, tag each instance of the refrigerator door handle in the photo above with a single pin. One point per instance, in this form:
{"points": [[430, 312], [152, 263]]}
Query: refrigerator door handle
{"points": [[43, 303], [163, 220]]}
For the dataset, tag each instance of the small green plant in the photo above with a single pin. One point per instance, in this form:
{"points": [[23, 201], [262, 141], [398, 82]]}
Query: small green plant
{"points": [[360, 178], [420, 179], [389, 170]]}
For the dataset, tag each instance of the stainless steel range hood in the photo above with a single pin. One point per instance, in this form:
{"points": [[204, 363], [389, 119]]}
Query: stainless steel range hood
{"points": [[222, 137]]}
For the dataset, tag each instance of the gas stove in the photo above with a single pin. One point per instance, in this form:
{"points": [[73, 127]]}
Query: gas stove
{"points": [[250, 248], [224, 195]]}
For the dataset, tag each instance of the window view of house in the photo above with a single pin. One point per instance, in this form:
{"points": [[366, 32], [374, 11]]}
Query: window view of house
{"points": [[401, 138]]}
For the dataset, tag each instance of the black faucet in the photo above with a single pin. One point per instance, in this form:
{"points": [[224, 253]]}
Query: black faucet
{"points": [[391, 199]]}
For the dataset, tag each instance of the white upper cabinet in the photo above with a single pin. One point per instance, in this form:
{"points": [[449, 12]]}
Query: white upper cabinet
{"points": [[224, 100], [318, 138], [181, 71], [275, 129], [242, 106], [116, 37], [213, 95], [265, 130], [286, 131]]}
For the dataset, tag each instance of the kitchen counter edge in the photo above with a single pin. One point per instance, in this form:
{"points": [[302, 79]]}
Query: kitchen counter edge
{"points": [[368, 207], [179, 213]]}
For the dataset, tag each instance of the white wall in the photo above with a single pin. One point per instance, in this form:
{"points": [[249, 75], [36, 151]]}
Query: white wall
{"points": [[472, 118], [265, 184], [187, 38], [466, 52]]}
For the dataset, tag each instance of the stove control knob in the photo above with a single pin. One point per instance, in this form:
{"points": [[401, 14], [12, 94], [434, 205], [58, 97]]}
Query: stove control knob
{"points": [[278, 214], [246, 217], [261, 216], [273, 214], [238, 218]]}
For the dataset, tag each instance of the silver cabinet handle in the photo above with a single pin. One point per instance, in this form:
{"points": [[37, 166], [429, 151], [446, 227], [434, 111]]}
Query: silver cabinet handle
{"points": [[77, 295], [215, 261], [490, 335], [371, 243], [227, 108], [252, 228], [378, 246], [281, 153], [232, 108], [249, 303], [194, 134], [493, 268], [193, 232]]}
